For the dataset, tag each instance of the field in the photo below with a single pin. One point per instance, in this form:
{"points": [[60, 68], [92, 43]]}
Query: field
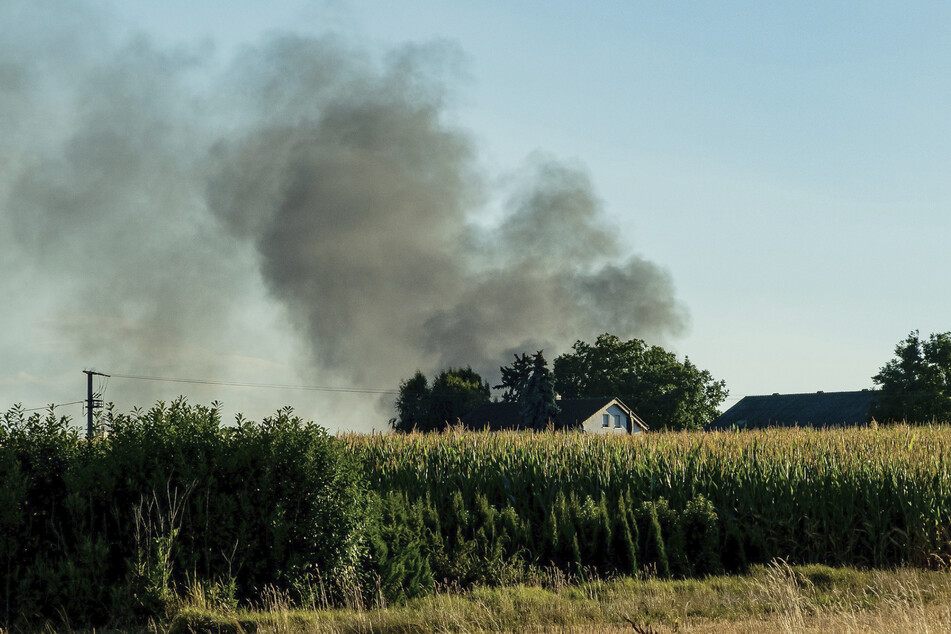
{"points": [[874, 497], [175, 512]]}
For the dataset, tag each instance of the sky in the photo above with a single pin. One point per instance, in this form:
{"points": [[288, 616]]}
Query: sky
{"points": [[336, 194]]}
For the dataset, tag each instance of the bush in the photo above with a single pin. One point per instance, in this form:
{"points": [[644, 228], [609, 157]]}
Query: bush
{"points": [[399, 561], [702, 530], [117, 527]]}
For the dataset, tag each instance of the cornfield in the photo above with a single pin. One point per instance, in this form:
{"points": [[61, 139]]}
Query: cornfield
{"points": [[865, 497], [173, 502]]}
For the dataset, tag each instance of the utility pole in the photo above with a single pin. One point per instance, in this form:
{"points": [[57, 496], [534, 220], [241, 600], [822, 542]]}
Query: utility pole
{"points": [[91, 401]]}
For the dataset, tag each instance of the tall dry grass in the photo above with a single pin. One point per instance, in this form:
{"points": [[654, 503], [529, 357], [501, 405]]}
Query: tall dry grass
{"points": [[777, 598]]}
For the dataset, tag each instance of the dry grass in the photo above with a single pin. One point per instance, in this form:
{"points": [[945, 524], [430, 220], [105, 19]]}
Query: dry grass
{"points": [[772, 599]]}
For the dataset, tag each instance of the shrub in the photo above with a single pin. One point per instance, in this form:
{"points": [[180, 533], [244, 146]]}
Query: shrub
{"points": [[113, 528]]}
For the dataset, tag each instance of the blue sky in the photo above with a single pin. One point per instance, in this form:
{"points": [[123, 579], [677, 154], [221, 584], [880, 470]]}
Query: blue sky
{"points": [[786, 163]]}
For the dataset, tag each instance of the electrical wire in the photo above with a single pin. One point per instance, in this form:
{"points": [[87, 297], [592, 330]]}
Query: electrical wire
{"points": [[312, 388], [52, 405], [103, 381]]}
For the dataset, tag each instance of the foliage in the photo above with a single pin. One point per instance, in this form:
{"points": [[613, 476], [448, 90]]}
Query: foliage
{"points": [[398, 540], [722, 500], [117, 526], [664, 392], [515, 378], [916, 385], [453, 394], [413, 404], [653, 549], [529, 383], [538, 405]]}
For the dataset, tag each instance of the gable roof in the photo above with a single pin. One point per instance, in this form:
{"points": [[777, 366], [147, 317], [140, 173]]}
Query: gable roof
{"points": [[822, 409], [574, 411]]}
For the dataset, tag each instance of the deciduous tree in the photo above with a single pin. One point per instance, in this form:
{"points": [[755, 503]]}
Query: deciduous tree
{"points": [[454, 393], [664, 391], [916, 384]]}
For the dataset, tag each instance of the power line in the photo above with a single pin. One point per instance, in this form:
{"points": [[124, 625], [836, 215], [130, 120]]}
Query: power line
{"points": [[312, 388], [52, 406]]}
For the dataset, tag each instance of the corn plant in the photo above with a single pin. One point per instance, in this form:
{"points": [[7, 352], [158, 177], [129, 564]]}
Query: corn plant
{"points": [[863, 497]]}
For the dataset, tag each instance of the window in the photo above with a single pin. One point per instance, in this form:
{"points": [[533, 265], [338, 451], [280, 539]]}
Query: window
{"points": [[617, 421], [606, 421]]}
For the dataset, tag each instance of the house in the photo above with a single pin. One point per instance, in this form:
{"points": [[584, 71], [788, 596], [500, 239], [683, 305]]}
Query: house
{"points": [[600, 415], [822, 409]]}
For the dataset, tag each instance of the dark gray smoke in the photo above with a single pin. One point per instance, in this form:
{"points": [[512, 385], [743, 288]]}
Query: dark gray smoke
{"points": [[154, 201]]}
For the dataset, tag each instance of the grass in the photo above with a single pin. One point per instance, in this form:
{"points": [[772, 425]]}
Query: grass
{"points": [[774, 598]]}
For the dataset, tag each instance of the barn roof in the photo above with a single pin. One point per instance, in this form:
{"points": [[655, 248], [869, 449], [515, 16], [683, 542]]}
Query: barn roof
{"points": [[821, 409], [574, 411]]}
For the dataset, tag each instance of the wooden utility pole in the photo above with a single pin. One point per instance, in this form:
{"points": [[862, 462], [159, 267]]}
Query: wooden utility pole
{"points": [[91, 401]]}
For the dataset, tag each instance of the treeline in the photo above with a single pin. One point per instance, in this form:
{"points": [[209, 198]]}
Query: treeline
{"points": [[667, 393]]}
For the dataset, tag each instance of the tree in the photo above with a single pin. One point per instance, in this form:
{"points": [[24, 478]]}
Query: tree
{"points": [[453, 394], [663, 391], [916, 385], [538, 404], [412, 404], [514, 378], [529, 383]]}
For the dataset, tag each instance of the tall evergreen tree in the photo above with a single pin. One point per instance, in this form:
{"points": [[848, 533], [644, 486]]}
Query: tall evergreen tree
{"points": [[626, 536], [515, 378], [538, 404], [652, 546]]}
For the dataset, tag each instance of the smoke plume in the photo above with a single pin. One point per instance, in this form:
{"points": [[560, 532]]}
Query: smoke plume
{"points": [[158, 206]]}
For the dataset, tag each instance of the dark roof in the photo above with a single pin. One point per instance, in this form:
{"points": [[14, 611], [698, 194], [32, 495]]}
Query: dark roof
{"points": [[574, 411], [822, 409]]}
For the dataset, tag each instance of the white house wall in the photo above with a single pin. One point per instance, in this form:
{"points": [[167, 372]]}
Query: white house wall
{"points": [[595, 424]]}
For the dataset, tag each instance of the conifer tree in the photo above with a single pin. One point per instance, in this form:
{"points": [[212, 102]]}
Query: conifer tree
{"points": [[734, 551], [549, 545], [457, 519], [590, 527], [605, 534], [625, 537], [674, 538], [419, 575], [515, 378], [538, 404], [398, 550], [433, 534], [653, 550], [512, 530], [566, 528], [486, 516]]}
